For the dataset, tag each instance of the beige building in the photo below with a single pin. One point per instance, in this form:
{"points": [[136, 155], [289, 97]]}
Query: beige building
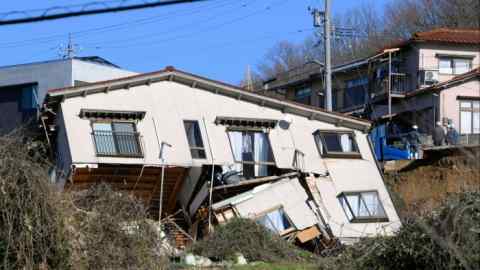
{"points": [[125, 131]]}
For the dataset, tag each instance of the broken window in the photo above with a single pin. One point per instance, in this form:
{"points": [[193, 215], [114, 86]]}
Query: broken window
{"points": [[362, 206], [336, 144], [276, 221], [116, 139], [252, 152], [194, 138]]}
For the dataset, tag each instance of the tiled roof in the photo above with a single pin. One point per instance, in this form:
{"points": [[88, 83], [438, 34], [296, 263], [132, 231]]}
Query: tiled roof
{"points": [[443, 35], [171, 73], [451, 35]]}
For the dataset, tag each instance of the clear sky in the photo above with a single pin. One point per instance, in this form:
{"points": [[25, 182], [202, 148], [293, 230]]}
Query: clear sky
{"points": [[216, 38]]}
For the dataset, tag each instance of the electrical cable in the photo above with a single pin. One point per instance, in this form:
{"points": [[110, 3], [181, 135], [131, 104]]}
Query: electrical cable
{"points": [[83, 10]]}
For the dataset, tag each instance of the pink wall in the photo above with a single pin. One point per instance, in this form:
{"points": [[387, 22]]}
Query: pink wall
{"points": [[449, 105]]}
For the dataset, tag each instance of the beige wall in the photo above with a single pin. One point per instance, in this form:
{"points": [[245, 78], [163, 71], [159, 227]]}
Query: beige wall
{"points": [[169, 103], [429, 60]]}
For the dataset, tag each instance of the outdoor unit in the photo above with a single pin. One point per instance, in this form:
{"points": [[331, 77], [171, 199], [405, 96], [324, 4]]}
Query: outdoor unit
{"points": [[427, 77]]}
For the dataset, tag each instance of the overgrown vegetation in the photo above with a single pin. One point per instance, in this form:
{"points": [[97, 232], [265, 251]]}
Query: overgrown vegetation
{"points": [[31, 224], [448, 238], [252, 240], [41, 228], [110, 230]]}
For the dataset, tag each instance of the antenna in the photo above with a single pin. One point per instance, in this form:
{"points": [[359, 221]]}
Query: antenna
{"points": [[69, 51], [248, 79]]}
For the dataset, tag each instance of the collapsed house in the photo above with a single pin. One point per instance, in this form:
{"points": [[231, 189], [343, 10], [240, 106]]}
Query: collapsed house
{"points": [[199, 151]]}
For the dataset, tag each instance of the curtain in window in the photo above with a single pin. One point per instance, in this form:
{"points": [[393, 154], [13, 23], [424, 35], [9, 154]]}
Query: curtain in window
{"points": [[476, 123], [354, 202], [461, 65], [262, 151], [465, 122], [346, 143], [125, 138], [445, 66], [236, 141], [344, 203], [373, 204], [103, 138]]}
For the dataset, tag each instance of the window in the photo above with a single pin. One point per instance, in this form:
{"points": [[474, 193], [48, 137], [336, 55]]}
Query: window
{"points": [[116, 139], [336, 144], [355, 92], [194, 138], [29, 99], [302, 95], [252, 152], [276, 221], [450, 65], [469, 116], [362, 207]]}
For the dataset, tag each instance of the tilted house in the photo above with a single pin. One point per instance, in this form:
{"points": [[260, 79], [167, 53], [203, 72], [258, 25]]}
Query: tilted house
{"points": [[125, 131]]}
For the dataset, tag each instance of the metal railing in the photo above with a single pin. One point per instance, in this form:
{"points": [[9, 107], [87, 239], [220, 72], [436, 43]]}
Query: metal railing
{"points": [[117, 144]]}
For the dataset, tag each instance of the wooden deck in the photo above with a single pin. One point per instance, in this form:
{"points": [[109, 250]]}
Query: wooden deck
{"points": [[143, 183]]}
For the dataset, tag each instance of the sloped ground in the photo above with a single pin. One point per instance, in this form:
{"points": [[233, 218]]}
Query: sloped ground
{"points": [[424, 184]]}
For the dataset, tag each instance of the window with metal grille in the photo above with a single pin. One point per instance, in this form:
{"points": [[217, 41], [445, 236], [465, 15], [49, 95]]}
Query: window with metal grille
{"points": [[194, 137], [362, 206], [117, 139]]}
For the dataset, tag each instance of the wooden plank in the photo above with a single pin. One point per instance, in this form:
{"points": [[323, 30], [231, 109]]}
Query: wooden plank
{"points": [[308, 234], [173, 195]]}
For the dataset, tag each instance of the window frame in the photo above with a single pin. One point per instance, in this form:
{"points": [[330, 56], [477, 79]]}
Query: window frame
{"points": [[195, 148], [265, 213], [323, 150], [361, 219], [451, 60], [471, 110], [135, 133], [269, 164], [229, 129]]}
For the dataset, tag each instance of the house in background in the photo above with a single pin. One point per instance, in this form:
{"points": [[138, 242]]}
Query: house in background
{"points": [[295, 159], [23, 87], [431, 77]]}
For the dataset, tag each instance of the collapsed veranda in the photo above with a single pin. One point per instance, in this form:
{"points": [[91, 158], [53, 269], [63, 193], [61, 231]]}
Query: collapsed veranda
{"points": [[173, 139]]}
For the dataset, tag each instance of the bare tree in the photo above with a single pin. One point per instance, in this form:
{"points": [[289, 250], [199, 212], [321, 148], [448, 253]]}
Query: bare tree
{"points": [[373, 30]]}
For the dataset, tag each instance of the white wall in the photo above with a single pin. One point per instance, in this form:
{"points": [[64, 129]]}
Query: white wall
{"points": [[273, 195], [92, 72], [169, 103]]}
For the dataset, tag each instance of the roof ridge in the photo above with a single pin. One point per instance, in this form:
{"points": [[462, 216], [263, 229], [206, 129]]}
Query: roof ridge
{"points": [[171, 69]]}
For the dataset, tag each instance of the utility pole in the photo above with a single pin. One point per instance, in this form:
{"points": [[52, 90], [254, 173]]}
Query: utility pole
{"points": [[320, 18]]}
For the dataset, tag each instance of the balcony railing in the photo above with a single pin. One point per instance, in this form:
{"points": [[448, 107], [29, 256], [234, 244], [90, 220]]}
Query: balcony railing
{"points": [[117, 144], [400, 85]]}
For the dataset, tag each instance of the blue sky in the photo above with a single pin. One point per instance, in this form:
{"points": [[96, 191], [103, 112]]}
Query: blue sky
{"points": [[216, 38]]}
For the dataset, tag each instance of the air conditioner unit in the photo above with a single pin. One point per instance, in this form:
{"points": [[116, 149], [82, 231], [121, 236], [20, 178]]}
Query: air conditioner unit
{"points": [[428, 77]]}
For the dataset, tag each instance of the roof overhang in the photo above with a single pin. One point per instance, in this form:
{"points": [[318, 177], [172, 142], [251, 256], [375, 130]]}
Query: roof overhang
{"points": [[170, 74]]}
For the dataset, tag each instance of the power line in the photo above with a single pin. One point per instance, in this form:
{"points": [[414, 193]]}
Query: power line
{"points": [[81, 10], [101, 29], [149, 36], [187, 35], [113, 27]]}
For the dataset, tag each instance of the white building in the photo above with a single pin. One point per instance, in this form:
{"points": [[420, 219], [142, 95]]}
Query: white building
{"points": [[123, 131], [23, 87]]}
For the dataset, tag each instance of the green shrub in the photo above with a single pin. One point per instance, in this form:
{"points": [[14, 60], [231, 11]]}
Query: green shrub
{"points": [[449, 238], [252, 240]]}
